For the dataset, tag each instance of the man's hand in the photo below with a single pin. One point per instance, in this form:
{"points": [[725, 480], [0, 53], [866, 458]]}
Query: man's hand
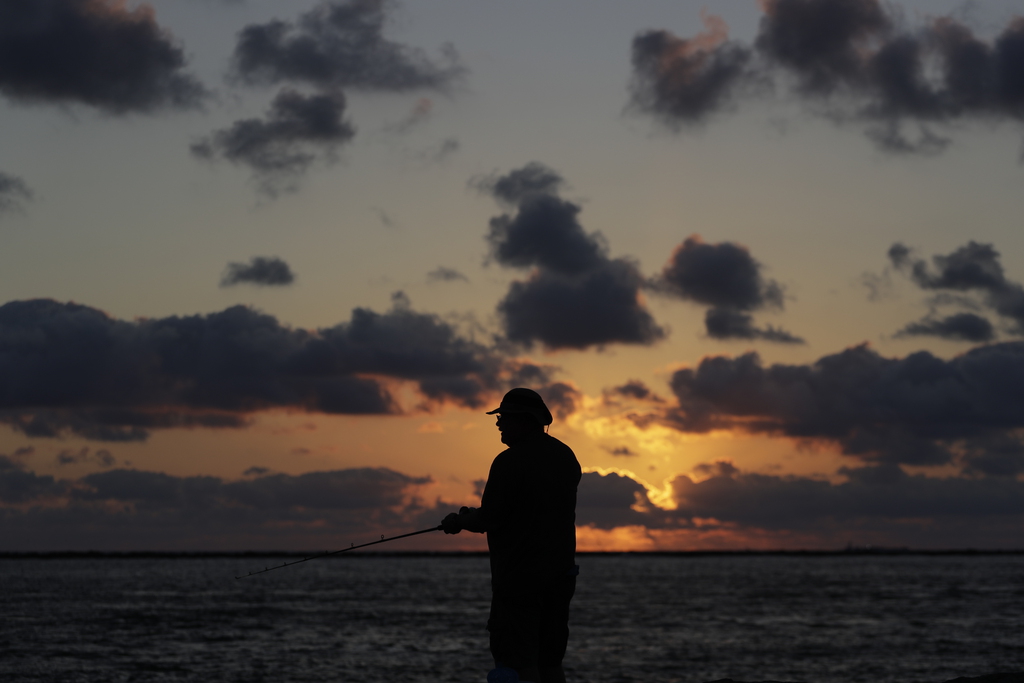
{"points": [[451, 524], [471, 519]]}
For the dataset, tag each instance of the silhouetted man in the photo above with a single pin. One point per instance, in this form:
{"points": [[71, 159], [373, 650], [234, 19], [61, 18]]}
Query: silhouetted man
{"points": [[528, 511]]}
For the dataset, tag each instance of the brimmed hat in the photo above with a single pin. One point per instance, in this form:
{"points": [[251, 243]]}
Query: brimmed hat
{"points": [[523, 400]]}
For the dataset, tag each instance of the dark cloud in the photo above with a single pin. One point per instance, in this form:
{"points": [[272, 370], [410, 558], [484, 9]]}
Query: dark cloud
{"points": [[878, 502], [561, 398], [600, 306], [526, 373], [71, 368], [973, 269], [112, 424], [95, 52], [684, 80], [18, 486], [958, 327], [724, 323], [852, 60], [882, 492], [891, 137], [821, 41], [101, 457], [340, 45], [269, 271], [532, 180], [721, 468], [632, 389], [152, 510], [13, 192], [545, 232], [576, 296], [126, 508], [726, 277], [994, 456], [723, 275], [622, 452], [919, 410], [444, 274], [17, 459], [613, 500], [298, 130], [972, 266]]}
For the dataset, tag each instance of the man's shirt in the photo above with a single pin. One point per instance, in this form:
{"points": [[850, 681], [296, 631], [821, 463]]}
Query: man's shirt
{"points": [[529, 510]]}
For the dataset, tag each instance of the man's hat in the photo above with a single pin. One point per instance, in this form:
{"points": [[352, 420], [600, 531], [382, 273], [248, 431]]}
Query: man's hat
{"points": [[523, 400]]}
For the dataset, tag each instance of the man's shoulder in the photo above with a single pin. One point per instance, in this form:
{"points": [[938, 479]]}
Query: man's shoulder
{"points": [[545, 446], [554, 444]]}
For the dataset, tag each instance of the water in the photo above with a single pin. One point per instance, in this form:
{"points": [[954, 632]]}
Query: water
{"points": [[643, 619]]}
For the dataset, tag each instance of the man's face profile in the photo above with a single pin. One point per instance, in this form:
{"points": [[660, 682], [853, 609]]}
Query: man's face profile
{"points": [[515, 426]]}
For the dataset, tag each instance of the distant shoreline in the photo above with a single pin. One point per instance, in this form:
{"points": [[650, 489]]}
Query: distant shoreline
{"points": [[146, 554]]}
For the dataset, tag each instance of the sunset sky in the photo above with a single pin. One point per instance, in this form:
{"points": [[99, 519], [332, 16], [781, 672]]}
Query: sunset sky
{"points": [[266, 264]]}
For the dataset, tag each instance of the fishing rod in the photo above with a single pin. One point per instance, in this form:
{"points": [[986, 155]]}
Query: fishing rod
{"points": [[343, 550]]}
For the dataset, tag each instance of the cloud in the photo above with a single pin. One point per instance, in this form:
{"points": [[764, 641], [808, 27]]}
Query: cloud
{"points": [[95, 52], [633, 389], [917, 410], [821, 41], [958, 327], [994, 456], [18, 486], [545, 232], [724, 323], [420, 113], [127, 508], [13, 192], [561, 398], [268, 271], [340, 45], [576, 295], [972, 269], [718, 468], [882, 492], [851, 60], [134, 508], [892, 137], [597, 307], [878, 285], [606, 501], [385, 218], [438, 153], [685, 80], [723, 275], [521, 184], [101, 457], [880, 503], [726, 277], [73, 369], [279, 148], [445, 274], [972, 266]]}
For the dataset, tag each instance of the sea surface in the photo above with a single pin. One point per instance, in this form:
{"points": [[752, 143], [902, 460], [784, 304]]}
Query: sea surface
{"points": [[405, 619]]}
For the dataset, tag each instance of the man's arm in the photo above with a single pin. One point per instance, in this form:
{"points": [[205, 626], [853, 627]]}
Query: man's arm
{"points": [[470, 519], [478, 520], [473, 519]]}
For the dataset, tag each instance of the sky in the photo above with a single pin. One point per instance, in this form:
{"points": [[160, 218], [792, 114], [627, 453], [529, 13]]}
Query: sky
{"points": [[266, 264]]}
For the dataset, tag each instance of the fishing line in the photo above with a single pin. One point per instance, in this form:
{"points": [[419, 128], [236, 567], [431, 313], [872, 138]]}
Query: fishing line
{"points": [[343, 550]]}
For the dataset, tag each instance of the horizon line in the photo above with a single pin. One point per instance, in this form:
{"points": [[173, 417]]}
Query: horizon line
{"points": [[212, 554]]}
